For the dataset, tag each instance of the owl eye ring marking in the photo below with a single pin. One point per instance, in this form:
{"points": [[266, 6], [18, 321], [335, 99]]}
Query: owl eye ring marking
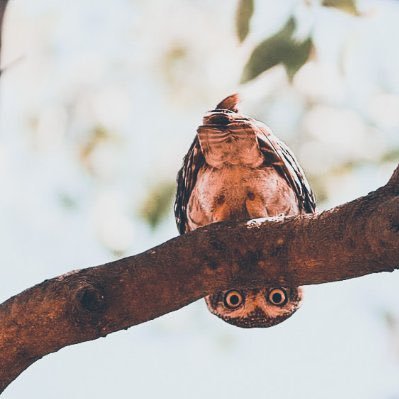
{"points": [[233, 299], [277, 296]]}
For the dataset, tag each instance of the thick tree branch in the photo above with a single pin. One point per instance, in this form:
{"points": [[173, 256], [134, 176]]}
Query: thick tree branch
{"points": [[358, 238]]}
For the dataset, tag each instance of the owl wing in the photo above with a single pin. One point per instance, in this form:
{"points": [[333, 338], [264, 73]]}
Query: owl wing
{"points": [[278, 155], [186, 179]]}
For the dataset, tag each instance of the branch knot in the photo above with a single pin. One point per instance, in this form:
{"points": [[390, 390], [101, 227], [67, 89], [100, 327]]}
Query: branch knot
{"points": [[90, 298]]}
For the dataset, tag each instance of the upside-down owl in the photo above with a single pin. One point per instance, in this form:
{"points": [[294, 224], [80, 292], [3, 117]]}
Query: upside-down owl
{"points": [[236, 169]]}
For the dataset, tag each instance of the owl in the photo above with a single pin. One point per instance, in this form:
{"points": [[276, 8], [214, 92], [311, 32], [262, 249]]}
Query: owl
{"points": [[236, 169]]}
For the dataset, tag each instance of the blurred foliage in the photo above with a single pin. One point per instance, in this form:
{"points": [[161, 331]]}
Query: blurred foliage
{"points": [[348, 6], [244, 13], [97, 138], [97, 135], [318, 187], [177, 57], [158, 203], [391, 155], [67, 201], [175, 61], [392, 324], [318, 182], [281, 48]]}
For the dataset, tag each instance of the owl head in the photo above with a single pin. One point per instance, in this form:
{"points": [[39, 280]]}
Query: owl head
{"points": [[258, 307]]}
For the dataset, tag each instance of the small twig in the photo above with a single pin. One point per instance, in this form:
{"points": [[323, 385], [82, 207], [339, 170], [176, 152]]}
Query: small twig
{"points": [[12, 63], [3, 6]]}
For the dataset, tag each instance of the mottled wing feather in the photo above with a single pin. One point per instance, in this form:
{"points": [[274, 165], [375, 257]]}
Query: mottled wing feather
{"points": [[281, 157], [276, 153], [186, 179]]}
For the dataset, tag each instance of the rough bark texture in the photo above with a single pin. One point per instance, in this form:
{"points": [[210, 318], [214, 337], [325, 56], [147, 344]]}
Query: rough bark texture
{"points": [[358, 238]]}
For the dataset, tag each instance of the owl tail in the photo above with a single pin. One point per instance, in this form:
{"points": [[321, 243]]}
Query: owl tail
{"points": [[230, 103]]}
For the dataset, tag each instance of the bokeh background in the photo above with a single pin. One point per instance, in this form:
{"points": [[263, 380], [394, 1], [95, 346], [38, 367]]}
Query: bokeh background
{"points": [[99, 103]]}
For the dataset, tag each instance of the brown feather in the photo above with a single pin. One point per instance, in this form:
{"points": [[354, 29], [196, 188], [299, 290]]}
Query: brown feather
{"points": [[230, 103], [236, 169]]}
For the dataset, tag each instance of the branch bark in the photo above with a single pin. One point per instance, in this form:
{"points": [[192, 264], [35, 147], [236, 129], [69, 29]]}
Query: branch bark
{"points": [[357, 238]]}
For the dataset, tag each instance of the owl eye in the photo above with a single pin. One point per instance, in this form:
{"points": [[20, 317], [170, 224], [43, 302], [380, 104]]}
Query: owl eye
{"points": [[278, 296], [233, 299]]}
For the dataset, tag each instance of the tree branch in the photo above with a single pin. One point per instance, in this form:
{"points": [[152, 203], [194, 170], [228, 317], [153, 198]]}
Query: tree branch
{"points": [[394, 180], [357, 238]]}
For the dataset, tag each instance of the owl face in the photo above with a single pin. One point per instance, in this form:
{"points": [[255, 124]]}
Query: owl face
{"points": [[258, 307]]}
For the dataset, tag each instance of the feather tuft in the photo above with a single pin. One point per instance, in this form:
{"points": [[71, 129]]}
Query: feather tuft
{"points": [[230, 103]]}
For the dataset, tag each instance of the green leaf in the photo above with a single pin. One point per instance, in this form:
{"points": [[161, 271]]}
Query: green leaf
{"points": [[280, 48], [266, 55], [348, 6], [157, 203], [245, 10], [269, 53], [297, 56]]}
